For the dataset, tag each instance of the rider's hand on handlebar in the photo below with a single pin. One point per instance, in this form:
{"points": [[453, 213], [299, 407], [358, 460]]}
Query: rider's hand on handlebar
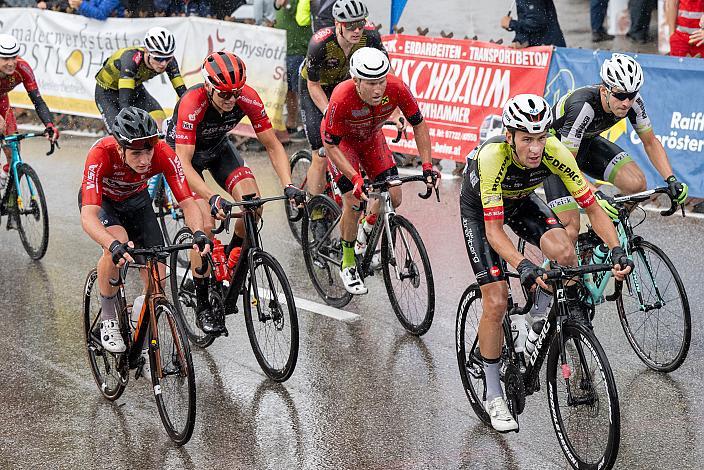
{"points": [[219, 207], [360, 191], [119, 252], [608, 204], [622, 265], [432, 177], [52, 132], [678, 189], [201, 243], [294, 194], [530, 274]]}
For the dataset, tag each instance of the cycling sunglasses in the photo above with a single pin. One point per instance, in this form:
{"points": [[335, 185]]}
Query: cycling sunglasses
{"points": [[162, 59], [226, 95], [353, 25], [623, 96], [143, 143]]}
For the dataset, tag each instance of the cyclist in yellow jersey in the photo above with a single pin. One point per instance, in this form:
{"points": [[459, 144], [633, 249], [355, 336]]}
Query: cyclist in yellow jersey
{"points": [[119, 83], [498, 189]]}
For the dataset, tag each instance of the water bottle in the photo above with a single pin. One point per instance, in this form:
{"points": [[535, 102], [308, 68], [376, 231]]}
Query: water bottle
{"points": [[600, 253], [542, 301], [533, 335], [138, 308], [233, 259], [219, 260], [519, 332], [365, 228]]}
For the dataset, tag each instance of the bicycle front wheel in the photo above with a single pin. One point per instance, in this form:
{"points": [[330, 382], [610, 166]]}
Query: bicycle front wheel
{"points": [[322, 250], [271, 318], [299, 162], [172, 373], [31, 213], [583, 400], [654, 309], [110, 370], [408, 276]]}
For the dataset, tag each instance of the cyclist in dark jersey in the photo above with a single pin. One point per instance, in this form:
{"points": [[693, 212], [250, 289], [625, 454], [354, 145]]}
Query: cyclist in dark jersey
{"points": [[199, 130], [116, 210], [326, 65], [119, 83], [587, 112], [498, 189]]}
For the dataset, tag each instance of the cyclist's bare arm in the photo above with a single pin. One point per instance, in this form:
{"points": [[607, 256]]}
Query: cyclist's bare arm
{"points": [[197, 184], [277, 155], [501, 243], [339, 160], [90, 222], [192, 214], [318, 95], [602, 224], [656, 153], [422, 136]]}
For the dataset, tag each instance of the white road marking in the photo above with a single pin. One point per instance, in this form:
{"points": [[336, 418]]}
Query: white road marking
{"points": [[310, 306]]}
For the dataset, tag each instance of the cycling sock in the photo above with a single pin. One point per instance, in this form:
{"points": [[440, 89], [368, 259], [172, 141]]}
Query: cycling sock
{"points": [[109, 307], [493, 383], [348, 254], [201, 290]]}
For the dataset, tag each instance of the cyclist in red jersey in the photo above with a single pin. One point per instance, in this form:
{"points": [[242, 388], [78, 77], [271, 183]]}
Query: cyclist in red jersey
{"points": [[116, 209], [352, 137], [203, 117], [14, 71], [686, 21]]}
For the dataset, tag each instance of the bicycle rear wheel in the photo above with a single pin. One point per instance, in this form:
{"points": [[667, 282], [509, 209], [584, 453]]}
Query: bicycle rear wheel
{"points": [[654, 309], [408, 276], [167, 210], [300, 162], [584, 406], [322, 250], [110, 370], [31, 213], [172, 373], [469, 312], [271, 317], [183, 290]]}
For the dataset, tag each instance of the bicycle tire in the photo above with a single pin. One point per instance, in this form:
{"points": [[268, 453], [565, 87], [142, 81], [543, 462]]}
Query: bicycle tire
{"points": [[583, 342], [420, 323], [183, 293], [323, 257], [112, 378], [177, 363], [299, 170], [277, 322], [35, 249], [640, 340], [471, 373]]}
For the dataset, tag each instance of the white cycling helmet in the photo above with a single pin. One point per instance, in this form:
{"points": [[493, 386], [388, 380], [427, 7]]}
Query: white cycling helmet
{"points": [[369, 63], [160, 42], [528, 113], [346, 11], [9, 47], [623, 72]]}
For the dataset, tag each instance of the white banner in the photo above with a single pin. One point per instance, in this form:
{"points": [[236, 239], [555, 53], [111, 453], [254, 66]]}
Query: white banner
{"points": [[66, 51]]}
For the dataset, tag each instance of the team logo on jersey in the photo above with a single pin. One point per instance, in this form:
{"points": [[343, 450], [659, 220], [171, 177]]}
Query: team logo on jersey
{"points": [[187, 125], [332, 62], [494, 271], [137, 58], [360, 112], [385, 100], [551, 221]]}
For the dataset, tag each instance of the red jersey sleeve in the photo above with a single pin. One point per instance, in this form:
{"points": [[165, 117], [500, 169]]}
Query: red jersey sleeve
{"points": [[168, 163], [97, 163], [406, 101], [336, 114], [27, 75], [191, 110], [252, 105]]}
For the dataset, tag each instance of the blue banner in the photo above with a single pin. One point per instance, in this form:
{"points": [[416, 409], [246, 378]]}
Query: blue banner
{"points": [[397, 7], [672, 92]]}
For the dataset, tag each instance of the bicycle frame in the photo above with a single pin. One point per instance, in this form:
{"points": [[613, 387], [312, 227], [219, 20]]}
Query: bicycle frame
{"points": [[382, 225], [168, 194], [13, 141]]}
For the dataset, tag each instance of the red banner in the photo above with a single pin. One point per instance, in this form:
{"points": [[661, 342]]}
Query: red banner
{"points": [[461, 87]]}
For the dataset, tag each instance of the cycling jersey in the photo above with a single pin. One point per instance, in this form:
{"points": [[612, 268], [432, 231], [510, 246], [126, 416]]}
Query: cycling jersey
{"points": [[126, 69], [23, 74], [326, 61], [197, 122], [579, 115], [493, 175], [105, 173]]}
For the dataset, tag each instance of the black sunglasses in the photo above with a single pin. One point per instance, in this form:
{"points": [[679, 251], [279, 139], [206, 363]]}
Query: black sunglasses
{"points": [[226, 95], [162, 59], [623, 96], [353, 25]]}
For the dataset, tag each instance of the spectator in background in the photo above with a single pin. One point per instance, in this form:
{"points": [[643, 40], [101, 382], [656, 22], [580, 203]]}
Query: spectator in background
{"points": [[597, 11], [686, 21], [319, 12], [536, 24], [264, 13], [297, 38], [97, 9], [640, 20]]}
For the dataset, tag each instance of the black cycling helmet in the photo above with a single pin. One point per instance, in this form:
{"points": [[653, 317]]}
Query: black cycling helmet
{"points": [[135, 129]]}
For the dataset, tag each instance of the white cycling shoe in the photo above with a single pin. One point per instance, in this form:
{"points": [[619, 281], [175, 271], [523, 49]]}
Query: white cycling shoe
{"points": [[110, 337], [501, 418], [353, 283]]}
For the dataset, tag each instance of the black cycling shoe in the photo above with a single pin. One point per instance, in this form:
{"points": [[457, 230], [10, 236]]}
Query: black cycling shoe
{"points": [[206, 321]]}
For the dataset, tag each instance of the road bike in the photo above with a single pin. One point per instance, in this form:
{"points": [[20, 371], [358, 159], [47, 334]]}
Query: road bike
{"points": [[269, 308], [157, 328], [24, 202], [581, 389], [405, 265], [167, 208]]}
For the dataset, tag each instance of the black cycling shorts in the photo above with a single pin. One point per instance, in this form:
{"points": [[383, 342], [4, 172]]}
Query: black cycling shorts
{"points": [[597, 157], [529, 218], [311, 115], [225, 164], [108, 102], [135, 214]]}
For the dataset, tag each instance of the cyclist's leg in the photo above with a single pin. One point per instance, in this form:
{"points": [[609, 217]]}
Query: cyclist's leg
{"points": [[378, 162], [609, 162], [312, 118], [10, 124], [563, 205], [144, 100], [108, 103]]}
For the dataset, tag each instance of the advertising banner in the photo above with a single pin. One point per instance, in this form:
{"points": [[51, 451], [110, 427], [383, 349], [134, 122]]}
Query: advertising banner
{"points": [[66, 51], [671, 93], [461, 87]]}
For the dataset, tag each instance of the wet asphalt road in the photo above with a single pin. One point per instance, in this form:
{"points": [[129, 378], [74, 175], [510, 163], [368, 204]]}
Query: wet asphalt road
{"points": [[364, 394]]}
